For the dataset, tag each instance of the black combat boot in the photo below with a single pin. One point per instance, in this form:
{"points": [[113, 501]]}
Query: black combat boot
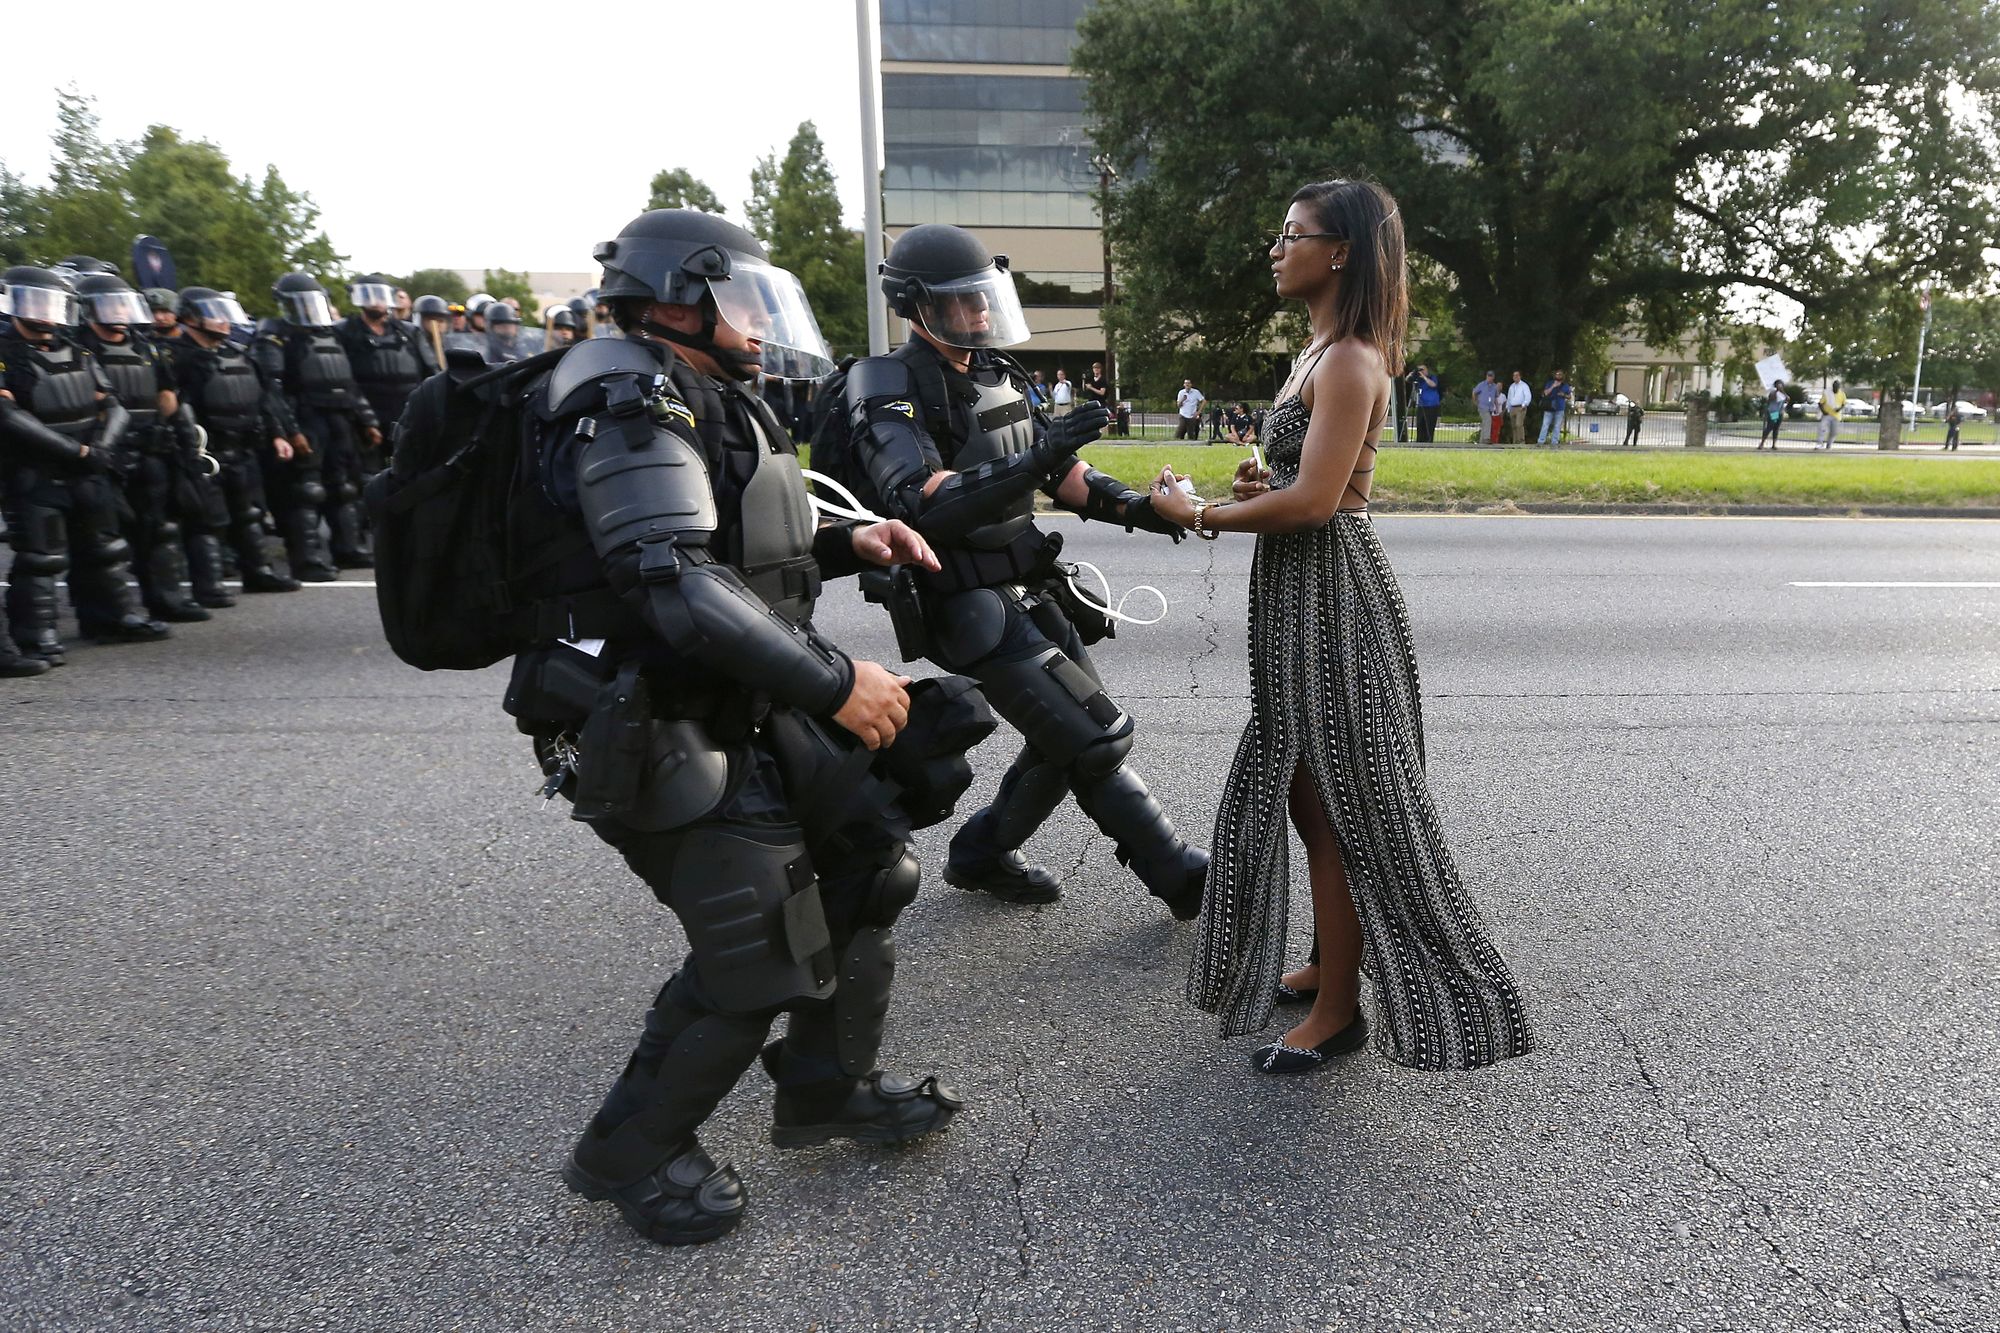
{"points": [[974, 863], [679, 1197], [882, 1108], [204, 560]]}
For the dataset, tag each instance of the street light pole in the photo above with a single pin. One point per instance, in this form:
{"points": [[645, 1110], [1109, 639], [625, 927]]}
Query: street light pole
{"points": [[1923, 334], [1105, 175], [871, 176]]}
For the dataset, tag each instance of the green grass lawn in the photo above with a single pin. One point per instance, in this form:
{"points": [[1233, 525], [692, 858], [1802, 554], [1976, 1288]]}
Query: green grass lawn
{"points": [[1473, 477]]}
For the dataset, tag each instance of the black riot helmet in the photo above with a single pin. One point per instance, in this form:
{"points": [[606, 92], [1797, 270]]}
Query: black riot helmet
{"points": [[432, 305], [162, 298], [40, 298], [302, 301], [499, 312], [942, 279], [372, 292], [107, 299], [682, 256], [562, 318], [212, 312], [82, 264]]}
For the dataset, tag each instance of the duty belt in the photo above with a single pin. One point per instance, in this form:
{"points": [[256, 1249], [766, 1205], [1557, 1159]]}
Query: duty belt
{"points": [[1023, 560], [597, 613]]}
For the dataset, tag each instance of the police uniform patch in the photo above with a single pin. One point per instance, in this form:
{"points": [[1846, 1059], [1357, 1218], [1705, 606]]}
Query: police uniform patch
{"points": [[668, 406], [901, 405]]}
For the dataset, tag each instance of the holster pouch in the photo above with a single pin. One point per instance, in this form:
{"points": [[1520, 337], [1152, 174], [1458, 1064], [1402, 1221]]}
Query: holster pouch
{"points": [[825, 775], [906, 614], [613, 747], [1092, 625], [553, 689]]}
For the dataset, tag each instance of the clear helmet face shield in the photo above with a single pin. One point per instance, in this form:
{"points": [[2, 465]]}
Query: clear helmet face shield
{"points": [[769, 304], [220, 314], [978, 310], [113, 308], [310, 309], [372, 296], [42, 305]]}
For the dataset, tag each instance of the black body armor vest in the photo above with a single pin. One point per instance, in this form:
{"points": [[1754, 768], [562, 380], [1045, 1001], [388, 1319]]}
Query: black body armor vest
{"points": [[134, 375], [317, 371], [231, 399], [997, 424], [385, 361], [64, 396]]}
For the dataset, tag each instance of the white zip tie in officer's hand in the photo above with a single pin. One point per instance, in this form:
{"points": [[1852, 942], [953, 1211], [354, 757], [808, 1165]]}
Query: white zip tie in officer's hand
{"points": [[853, 509]]}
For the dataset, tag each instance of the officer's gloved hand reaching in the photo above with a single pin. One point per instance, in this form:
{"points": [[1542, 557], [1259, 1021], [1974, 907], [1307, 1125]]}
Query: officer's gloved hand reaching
{"points": [[1066, 435]]}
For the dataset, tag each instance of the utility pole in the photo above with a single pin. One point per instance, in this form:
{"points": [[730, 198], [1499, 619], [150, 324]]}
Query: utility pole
{"points": [[1923, 335], [871, 175], [1106, 175]]}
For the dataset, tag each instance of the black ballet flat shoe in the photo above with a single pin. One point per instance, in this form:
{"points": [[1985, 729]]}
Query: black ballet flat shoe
{"points": [[1289, 995], [685, 1200], [1008, 877], [1278, 1058], [883, 1109]]}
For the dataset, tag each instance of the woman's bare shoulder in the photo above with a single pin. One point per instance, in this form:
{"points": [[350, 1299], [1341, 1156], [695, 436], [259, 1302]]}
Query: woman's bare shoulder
{"points": [[1350, 367]]}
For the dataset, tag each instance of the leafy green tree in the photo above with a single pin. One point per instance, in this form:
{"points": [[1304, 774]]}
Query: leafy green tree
{"points": [[506, 285], [676, 187], [794, 208], [24, 219], [87, 211], [1570, 165], [436, 282]]}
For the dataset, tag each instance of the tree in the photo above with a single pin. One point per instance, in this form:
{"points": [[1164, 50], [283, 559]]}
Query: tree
{"points": [[24, 219], [504, 284], [794, 208], [87, 211], [1570, 165], [436, 282], [676, 187]]}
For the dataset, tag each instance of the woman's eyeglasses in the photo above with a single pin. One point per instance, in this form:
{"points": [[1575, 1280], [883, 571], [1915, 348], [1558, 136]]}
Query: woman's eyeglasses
{"points": [[1272, 238]]}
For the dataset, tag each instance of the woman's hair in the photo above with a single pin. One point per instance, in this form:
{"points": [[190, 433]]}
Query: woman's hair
{"points": [[1374, 302]]}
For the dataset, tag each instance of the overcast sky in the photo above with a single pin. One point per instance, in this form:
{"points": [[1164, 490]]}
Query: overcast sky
{"points": [[410, 123]]}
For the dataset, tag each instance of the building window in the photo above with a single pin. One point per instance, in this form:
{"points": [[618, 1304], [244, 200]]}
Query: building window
{"points": [[994, 32], [986, 151]]}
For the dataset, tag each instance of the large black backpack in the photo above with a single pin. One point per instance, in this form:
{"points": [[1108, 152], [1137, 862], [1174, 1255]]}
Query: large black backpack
{"points": [[440, 512]]}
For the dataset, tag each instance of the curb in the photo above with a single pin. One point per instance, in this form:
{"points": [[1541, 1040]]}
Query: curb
{"points": [[1679, 509]]}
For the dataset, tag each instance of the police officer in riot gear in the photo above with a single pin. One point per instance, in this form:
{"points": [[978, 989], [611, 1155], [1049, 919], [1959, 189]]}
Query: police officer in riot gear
{"points": [[61, 433], [159, 438], [164, 302], [243, 415], [384, 353], [433, 327], [945, 435], [305, 359], [562, 324], [726, 748], [503, 333]]}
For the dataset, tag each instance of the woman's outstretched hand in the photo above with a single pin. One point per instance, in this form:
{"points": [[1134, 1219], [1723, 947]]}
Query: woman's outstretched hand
{"points": [[1170, 501], [1251, 480]]}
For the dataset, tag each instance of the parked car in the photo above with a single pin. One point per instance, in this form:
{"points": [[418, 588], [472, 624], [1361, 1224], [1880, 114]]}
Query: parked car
{"points": [[1861, 409], [1966, 411], [1603, 406]]}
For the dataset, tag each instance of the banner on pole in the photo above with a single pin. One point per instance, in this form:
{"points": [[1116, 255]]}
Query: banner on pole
{"points": [[1772, 369]]}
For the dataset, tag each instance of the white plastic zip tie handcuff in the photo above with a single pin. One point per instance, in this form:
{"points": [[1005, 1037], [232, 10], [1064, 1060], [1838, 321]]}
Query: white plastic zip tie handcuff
{"points": [[859, 513]]}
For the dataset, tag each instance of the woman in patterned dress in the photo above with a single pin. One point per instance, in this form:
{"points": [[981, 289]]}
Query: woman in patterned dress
{"points": [[1335, 738]]}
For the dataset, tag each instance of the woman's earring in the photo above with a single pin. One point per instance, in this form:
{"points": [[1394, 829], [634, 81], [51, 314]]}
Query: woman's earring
{"points": [[1336, 268]]}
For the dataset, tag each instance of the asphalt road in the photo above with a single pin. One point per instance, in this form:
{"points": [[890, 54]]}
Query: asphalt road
{"points": [[306, 995]]}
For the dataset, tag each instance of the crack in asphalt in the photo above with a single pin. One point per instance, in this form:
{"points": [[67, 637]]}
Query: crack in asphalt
{"points": [[1211, 637], [1713, 1167], [1017, 1176]]}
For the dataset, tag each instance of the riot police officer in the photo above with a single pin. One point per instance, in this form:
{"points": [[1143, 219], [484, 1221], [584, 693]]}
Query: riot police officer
{"points": [[944, 433], [433, 327], [723, 745], [503, 333], [561, 331], [307, 362], [159, 436], [244, 415], [61, 429], [384, 353], [164, 302]]}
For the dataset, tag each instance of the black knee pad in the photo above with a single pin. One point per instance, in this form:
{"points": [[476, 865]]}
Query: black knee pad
{"points": [[166, 531], [1106, 754], [311, 493], [891, 891], [347, 492], [44, 563]]}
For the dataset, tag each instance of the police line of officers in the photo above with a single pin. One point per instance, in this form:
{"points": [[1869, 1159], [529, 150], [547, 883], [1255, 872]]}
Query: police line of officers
{"points": [[163, 435]]}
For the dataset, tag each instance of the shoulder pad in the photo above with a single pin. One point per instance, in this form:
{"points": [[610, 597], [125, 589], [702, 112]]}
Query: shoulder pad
{"points": [[585, 363], [879, 377], [464, 364]]}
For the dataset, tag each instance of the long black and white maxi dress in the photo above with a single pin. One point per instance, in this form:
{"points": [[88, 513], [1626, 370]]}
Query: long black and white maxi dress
{"points": [[1333, 677]]}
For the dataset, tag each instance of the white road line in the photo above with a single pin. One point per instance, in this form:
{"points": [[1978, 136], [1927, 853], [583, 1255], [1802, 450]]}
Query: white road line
{"points": [[1885, 583]]}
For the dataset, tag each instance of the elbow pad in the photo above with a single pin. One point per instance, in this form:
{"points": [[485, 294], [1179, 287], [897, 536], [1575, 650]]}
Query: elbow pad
{"points": [[28, 436], [968, 500], [704, 609], [882, 419]]}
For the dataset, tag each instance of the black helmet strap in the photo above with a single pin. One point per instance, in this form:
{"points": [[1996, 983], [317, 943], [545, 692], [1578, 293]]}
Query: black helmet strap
{"points": [[738, 363]]}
